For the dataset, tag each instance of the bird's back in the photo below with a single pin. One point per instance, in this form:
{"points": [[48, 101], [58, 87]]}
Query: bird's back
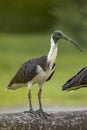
{"points": [[38, 61]]}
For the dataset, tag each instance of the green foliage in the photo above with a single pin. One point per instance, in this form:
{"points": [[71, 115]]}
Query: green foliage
{"points": [[16, 49], [71, 16], [25, 16]]}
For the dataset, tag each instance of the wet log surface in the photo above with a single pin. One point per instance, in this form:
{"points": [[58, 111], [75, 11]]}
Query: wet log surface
{"points": [[72, 120]]}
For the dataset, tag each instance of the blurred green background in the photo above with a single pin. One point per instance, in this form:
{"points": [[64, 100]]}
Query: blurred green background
{"points": [[25, 30]]}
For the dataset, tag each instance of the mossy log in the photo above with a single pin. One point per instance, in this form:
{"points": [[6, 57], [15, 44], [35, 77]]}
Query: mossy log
{"points": [[72, 120]]}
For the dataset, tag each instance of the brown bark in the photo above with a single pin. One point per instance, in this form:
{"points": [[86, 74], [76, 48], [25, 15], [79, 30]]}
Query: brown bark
{"points": [[75, 120]]}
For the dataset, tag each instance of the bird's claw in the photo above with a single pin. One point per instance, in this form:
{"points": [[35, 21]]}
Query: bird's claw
{"points": [[41, 112], [31, 111]]}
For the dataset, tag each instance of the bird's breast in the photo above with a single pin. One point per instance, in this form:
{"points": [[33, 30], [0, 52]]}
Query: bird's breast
{"points": [[42, 75]]}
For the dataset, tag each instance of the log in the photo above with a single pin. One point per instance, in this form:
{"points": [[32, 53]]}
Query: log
{"points": [[71, 120]]}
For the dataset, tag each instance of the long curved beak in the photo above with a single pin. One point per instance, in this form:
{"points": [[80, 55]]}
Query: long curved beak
{"points": [[70, 40]]}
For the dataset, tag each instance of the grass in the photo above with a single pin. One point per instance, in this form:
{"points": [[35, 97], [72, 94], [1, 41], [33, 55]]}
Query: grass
{"points": [[16, 49]]}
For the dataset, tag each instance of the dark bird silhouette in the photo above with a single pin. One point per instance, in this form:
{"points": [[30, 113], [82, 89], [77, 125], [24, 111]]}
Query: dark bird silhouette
{"points": [[76, 82], [39, 70]]}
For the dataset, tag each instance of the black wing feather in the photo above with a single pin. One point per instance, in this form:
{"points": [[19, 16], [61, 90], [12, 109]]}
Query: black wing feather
{"points": [[24, 74], [52, 72], [77, 81]]}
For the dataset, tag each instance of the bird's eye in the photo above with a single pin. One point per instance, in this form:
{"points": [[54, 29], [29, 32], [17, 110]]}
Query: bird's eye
{"points": [[59, 34]]}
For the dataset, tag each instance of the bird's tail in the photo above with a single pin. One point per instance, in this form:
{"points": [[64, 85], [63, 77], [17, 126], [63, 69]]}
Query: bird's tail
{"points": [[15, 86]]}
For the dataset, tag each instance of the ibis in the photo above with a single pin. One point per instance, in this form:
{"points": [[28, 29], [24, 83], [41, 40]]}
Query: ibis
{"points": [[77, 81], [39, 70]]}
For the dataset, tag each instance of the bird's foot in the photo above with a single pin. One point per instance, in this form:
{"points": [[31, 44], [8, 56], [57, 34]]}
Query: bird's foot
{"points": [[31, 111], [41, 112]]}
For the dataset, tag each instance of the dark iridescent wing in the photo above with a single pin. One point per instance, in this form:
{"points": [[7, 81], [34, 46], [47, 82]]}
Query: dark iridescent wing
{"points": [[26, 73], [76, 82], [42, 61]]}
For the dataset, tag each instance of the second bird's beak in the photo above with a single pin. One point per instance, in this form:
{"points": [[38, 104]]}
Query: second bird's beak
{"points": [[70, 40]]}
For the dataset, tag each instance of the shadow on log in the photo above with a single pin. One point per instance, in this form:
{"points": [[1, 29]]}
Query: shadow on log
{"points": [[76, 120]]}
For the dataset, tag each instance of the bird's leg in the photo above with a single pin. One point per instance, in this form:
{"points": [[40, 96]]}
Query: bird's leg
{"points": [[39, 99], [40, 105], [30, 102], [29, 99]]}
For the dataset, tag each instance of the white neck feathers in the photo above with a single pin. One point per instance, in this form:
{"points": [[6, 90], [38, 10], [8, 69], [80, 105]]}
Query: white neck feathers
{"points": [[53, 52]]}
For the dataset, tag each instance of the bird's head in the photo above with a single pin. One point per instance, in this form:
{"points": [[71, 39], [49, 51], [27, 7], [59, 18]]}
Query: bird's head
{"points": [[60, 35]]}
